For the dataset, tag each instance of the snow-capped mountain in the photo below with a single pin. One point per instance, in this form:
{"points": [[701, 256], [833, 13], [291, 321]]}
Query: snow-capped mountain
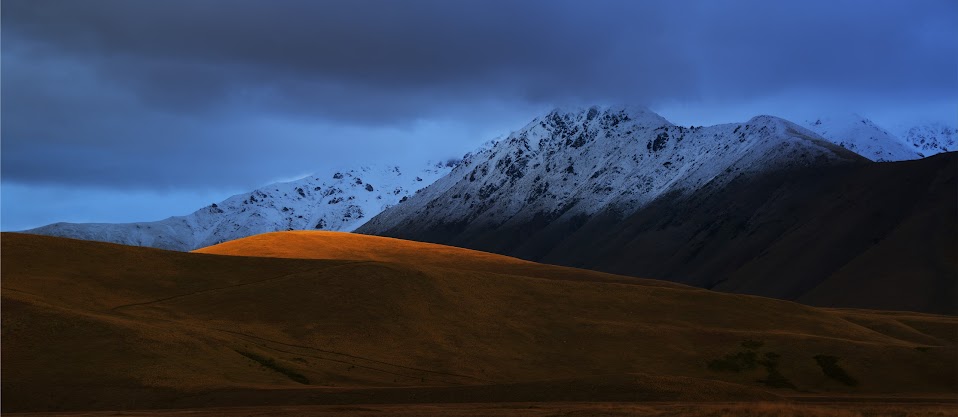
{"points": [[576, 163], [864, 137], [338, 200], [571, 162], [764, 207], [931, 138]]}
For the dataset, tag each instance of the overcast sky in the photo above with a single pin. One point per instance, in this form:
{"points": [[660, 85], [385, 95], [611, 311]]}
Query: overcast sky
{"points": [[125, 110]]}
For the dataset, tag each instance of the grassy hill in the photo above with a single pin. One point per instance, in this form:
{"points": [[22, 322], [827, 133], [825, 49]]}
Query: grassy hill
{"points": [[336, 318]]}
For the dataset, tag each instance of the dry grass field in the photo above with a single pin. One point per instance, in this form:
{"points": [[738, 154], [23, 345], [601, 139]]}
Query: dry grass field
{"points": [[552, 409], [307, 323]]}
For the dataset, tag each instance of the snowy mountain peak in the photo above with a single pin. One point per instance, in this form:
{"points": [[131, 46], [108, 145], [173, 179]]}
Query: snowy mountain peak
{"points": [[576, 126], [598, 114], [768, 120], [930, 138], [483, 149], [860, 135], [602, 158]]}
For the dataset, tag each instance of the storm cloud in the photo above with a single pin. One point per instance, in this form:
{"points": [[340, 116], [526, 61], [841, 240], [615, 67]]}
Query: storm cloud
{"points": [[137, 94]]}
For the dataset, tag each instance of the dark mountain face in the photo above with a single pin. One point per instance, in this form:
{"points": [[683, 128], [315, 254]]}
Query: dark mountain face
{"points": [[869, 235], [874, 236]]}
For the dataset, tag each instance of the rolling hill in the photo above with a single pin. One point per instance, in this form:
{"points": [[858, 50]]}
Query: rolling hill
{"points": [[98, 326]]}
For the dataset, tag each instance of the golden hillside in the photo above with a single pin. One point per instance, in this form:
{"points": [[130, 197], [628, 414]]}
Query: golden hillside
{"points": [[91, 325]]}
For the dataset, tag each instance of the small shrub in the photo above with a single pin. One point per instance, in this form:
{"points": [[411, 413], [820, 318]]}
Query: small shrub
{"points": [[748, 359], [831, 369], [753, 344], [775, 379], [734, 362], [271, 364]]}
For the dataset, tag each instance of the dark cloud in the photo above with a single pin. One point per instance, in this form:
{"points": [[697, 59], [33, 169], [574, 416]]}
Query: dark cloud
{"points": [[322, 57], [155, 94]]}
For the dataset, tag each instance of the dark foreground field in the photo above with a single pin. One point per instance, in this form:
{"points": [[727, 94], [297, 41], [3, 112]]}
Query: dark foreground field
{"points": [[556, 410], [323, 323]]}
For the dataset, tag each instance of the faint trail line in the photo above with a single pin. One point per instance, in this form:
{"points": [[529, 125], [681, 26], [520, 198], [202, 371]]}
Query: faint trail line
{"points": [[348, 355], [349, 363], [233, 286], [20, 291]]}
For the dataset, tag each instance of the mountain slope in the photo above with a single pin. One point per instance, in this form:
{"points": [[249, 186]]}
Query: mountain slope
{"points": [[340, 200], [864, 137], [765, 208], [89, 325]]}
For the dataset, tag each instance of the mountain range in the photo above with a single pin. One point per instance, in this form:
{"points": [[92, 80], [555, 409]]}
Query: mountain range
{"points": [[338, 200], [765, 207], [341, 200]]}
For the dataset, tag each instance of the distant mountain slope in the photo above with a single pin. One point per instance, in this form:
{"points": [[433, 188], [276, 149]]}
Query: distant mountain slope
{"points": [[864, 137], [334, 201], [764, 208]]}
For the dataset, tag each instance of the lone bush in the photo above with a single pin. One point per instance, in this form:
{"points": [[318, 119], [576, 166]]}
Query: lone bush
{"points": [[271, 364], [831, 369]]}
